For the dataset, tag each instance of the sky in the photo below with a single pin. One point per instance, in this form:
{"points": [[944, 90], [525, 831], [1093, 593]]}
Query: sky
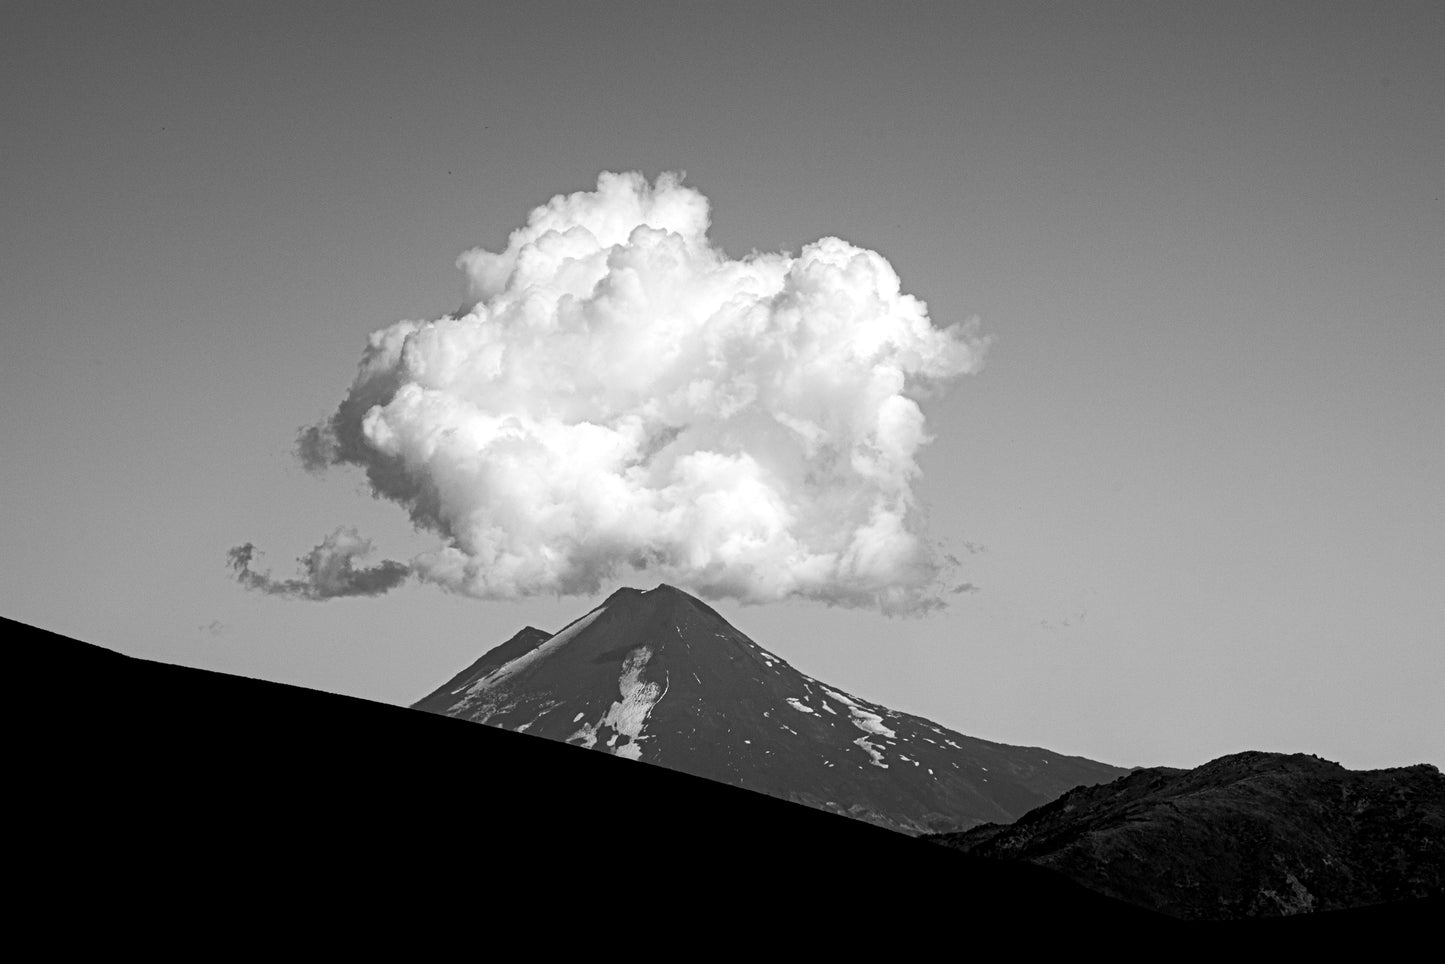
{"points": [[1196, 481]]}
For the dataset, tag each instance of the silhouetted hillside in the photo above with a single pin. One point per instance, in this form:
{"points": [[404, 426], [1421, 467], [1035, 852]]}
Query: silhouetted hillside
{"points": [[160, 806], [1248, 835]]}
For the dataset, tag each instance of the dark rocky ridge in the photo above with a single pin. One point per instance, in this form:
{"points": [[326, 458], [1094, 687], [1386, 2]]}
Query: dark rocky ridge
{"points": [[660, 676], [1248, 835]]}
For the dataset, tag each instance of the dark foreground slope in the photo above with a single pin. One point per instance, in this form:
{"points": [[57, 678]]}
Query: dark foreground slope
{"points": [[1247, 835], [169, 806]]}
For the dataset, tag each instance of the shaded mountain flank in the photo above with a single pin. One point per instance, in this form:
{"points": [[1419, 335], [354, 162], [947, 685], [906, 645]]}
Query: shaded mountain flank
{"points": [[659, 676], [1248, 835]]}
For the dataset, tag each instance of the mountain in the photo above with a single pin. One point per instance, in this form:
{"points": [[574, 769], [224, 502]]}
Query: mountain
{"points": [[1248, 835], [659, 676]]}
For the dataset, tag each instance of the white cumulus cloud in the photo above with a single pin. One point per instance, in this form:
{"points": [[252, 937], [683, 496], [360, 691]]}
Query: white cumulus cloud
{"points": [[623, 396]]}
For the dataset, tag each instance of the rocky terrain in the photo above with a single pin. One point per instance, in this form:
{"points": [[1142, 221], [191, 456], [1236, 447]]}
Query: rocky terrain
{"points": [[1247, 835]]}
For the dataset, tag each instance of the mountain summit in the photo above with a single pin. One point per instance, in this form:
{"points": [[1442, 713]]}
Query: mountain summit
{"points": [[659, 676]]}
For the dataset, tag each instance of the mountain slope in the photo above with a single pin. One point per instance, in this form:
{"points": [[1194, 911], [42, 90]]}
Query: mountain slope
{"points": [[1248, 835], [659, 676]]}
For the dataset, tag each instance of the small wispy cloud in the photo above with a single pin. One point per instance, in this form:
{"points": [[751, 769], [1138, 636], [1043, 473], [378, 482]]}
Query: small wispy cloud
{"points": [[329, 570]]}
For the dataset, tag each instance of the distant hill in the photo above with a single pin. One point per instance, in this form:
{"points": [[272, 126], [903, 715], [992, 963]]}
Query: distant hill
{"points": [[1247, 835]]}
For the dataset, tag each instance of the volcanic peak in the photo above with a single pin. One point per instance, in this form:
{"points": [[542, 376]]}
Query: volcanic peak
{"points": [[659, 676], [659, 607]]}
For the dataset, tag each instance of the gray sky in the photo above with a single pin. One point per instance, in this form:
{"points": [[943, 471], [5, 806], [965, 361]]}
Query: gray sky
{"points": [[1201, 467]]}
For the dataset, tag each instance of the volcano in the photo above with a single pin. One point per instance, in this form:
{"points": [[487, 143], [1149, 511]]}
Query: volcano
{"points": [[659, 676]]}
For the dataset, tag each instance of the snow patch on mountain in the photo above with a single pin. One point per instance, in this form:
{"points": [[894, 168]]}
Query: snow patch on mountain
{"points": [[874, 754], [626, 717], [870, 723], [799, 705]]}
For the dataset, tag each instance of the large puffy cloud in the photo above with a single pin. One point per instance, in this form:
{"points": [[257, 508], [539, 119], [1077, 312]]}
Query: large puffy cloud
{"points": [[624, 396]]}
